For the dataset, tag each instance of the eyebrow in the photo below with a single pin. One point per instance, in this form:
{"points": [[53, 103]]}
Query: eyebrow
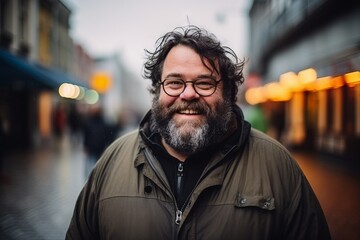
{"points": [[201, 76], [174, 75]]}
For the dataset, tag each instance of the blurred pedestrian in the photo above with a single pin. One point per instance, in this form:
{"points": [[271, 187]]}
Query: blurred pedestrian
{"points": [[195, 169], [75, 120], [60, 120], [97, 136]]}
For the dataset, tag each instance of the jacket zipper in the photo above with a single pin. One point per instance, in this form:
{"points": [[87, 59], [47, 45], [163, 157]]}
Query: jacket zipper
{"points": [[178, 213], [179, 179], [179, 189]]}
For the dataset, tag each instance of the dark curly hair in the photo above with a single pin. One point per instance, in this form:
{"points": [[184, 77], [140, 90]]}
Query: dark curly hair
{"points": [[207, 46]]}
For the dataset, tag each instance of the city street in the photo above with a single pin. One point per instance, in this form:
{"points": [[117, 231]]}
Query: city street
{"points": [[38, 191]]}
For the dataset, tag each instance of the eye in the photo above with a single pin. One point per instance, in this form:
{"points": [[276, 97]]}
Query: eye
{"points": [[173, 83], [205, 84]]}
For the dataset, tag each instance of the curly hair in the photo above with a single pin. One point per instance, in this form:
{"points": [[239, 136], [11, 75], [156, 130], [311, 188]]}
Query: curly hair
{"points": [[207, 46]]}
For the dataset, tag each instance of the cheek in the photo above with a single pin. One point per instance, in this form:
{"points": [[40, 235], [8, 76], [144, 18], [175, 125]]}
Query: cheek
{"points": [[215, 102], [166, 100]]}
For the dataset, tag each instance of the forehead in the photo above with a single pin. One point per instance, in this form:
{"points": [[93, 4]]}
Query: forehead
{"points": [[183, 60]]}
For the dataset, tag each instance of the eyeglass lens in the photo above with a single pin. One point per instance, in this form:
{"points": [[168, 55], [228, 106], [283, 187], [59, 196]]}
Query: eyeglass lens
{"points": [[203, 86]]}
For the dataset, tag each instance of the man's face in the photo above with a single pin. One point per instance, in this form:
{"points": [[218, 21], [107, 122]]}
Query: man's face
{"points": [[189, 121]]}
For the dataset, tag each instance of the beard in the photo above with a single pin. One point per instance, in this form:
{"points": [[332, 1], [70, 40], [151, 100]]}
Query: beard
{"points": [[191, 136]]}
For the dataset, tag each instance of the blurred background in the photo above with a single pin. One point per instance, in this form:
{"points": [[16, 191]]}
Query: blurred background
{"points": [[71, 82]]}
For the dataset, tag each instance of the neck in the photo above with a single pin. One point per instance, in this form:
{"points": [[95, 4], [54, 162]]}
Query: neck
{"points": [[180, 156]]}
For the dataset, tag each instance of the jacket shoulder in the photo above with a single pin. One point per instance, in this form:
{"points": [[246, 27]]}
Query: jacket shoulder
{"points": [[119, 155], [264, 152], [127, 144], [259, 138]]}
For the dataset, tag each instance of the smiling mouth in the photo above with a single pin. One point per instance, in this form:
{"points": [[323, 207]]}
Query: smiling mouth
{"points": [[189, 112]]}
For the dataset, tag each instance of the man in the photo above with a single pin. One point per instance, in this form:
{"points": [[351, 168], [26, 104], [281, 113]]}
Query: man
{"points": [[195, 169]]}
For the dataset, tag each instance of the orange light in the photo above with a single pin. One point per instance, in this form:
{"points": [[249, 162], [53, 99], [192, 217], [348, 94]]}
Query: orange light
{"points": [[276, 92], [100, 81], [323, 83], [307, 76], [255, 95], [352, 78], [337, 82], [291, 81]]}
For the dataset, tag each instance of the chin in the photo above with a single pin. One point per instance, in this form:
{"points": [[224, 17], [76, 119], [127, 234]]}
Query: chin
{"points": [[189, 123]]}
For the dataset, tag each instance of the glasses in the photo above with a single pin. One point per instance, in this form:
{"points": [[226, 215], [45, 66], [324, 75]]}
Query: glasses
{"points": [[203, 86]]}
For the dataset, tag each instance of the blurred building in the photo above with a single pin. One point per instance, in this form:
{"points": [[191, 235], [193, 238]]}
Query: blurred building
{"points": [[304, 72], [37, 56], [124, 98]]}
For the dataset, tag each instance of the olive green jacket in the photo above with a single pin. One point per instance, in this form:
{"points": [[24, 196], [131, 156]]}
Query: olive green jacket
{"points": [[256, 191]]}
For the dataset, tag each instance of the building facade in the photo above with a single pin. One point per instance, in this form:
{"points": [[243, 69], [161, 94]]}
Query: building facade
{"points": [[304, 65], [126, 99], [37, 55]]}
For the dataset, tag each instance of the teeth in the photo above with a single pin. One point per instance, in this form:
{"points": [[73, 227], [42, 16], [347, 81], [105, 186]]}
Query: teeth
{"points": [[188, 111]]}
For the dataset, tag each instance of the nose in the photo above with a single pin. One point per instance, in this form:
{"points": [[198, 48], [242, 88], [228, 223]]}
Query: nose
{"points": [[189, 92]]}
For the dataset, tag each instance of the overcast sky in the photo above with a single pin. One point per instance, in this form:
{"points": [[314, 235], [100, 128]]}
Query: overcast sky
{"points": [[105, 27]]}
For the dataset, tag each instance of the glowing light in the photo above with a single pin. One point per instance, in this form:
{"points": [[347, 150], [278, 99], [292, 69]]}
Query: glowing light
{"points": [[352, 78], [338, 82], [67, 90], [255, 95], [100, 81], [307, 78], [276, 92], [81, 93], [291, 81], [323, 83], [91, 97]]}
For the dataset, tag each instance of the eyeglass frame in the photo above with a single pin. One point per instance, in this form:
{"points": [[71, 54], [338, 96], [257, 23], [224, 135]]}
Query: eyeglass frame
{"points": [[193, 86]]}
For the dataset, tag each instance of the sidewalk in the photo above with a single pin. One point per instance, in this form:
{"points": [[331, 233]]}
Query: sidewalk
{"points": [[338, 190], [38, 190]]}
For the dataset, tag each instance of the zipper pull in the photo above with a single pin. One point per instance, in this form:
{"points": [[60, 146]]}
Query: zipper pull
{"points": [[180, 167], [179, 180], [178, 217]]}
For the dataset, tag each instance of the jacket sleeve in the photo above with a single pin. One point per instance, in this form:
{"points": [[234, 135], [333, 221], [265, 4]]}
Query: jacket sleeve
{"points": [[84, 222], [304, 218]]}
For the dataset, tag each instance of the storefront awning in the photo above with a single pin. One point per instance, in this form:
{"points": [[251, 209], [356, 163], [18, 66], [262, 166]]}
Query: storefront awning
{"points": [[18, 72]]}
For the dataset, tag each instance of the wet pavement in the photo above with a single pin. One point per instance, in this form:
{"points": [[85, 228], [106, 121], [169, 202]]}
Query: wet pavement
{"points": [[337, 187], [38, 190]]}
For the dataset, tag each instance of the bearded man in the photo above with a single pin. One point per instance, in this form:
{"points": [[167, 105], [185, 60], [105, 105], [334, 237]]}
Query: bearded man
{"points": [[195, 169]]}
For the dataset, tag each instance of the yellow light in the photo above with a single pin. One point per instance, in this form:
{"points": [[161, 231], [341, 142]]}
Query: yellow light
{"points": [[255, 95], [352, 78], [307, 76], [100, 81], [323, 83], [311, 86], [276, 92], [291, 81]]}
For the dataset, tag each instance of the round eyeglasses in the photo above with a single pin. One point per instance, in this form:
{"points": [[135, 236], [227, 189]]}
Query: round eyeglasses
{"points": [[202, 86]]}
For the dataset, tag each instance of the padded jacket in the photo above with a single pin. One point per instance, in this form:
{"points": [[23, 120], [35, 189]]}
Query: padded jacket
{"points": [[249, 190]]}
